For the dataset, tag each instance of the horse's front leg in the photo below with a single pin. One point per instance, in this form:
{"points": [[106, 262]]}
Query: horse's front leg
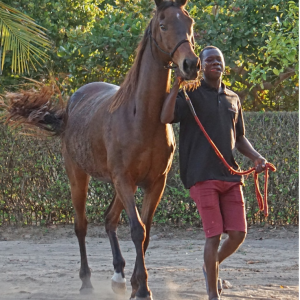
{"points": [[151, 199], [112, 216], [125, 191]]}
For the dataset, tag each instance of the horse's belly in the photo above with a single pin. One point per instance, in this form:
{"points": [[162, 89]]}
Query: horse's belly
{"points": [[79, 147], [91, 161]]}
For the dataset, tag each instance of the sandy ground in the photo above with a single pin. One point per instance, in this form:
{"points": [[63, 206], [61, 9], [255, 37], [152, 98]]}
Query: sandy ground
{"points": [[43, 263]]}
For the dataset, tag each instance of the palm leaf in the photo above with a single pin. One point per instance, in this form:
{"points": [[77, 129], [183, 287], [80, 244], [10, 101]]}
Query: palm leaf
{"points": [[21, 35]]}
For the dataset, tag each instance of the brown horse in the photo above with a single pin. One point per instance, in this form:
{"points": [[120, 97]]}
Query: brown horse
{"points": [[115, 134]]}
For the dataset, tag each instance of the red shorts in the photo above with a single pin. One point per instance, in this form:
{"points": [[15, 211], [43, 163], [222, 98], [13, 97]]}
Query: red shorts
{"points": [[221, 206]]}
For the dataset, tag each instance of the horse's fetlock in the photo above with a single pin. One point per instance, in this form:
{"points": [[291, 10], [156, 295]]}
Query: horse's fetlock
{"points": [[85, 273], [119, 265]]}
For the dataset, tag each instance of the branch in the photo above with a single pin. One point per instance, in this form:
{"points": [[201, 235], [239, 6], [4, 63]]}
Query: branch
{"points": [[267, 85], [283, 76]]}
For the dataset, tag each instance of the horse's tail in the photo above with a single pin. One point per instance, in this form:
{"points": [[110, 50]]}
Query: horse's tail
{"points": [[43, 108]]}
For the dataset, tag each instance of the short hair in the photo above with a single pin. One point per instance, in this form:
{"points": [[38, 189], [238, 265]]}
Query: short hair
{"points": [[207, 48]]}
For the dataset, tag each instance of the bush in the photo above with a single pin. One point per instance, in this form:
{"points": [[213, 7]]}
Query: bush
{"points": [[35, 188]]}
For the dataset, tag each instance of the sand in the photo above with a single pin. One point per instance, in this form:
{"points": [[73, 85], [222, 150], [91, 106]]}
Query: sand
{"points": [[43, 263]]}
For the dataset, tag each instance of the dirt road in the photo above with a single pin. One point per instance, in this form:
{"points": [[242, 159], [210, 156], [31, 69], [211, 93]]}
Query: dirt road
{"points": [[43, 264]]}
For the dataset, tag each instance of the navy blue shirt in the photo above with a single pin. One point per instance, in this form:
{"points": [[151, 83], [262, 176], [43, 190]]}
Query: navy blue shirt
{"points": [[221, 115]]}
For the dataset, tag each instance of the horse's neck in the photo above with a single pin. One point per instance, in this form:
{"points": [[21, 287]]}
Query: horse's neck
{"points": [[153, 84]]}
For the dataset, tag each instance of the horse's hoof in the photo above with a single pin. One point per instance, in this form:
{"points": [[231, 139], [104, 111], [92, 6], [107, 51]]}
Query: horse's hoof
{"points": [[142, 298], [118, 287], [86, 287], [86, 291]]}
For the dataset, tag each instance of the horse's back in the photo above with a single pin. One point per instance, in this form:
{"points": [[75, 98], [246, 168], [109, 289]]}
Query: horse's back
{"points": [[90, 96]]}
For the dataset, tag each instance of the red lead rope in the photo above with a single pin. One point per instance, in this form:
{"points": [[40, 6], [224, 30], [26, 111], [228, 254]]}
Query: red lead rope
{"points": [[262, 203]]}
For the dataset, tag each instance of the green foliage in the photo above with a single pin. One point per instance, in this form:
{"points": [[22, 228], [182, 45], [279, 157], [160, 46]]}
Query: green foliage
{"points": [[96, 40], [30, 189], [274, 141], [254, 44], [25, 39], [93, 40], [280, 51], [34, 188]]}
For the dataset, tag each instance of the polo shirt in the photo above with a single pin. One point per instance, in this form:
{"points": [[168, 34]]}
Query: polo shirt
{"points": [[221, 116]]}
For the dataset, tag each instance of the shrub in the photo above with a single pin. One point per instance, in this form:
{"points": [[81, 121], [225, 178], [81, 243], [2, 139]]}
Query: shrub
{"points": [[35, 188]]}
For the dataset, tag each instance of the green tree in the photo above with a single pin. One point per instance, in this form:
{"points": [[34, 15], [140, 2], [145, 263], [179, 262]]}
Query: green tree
{"points": [[96, 40], [259, 39], [25, 39], [93, 39]]}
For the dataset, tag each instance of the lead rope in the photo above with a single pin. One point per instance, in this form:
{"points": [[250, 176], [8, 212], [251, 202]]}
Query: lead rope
{"points": [[262, 202]]}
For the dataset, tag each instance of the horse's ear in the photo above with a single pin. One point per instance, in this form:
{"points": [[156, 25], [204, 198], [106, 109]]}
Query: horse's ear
{"points": [[181, 2], [158, 2]]}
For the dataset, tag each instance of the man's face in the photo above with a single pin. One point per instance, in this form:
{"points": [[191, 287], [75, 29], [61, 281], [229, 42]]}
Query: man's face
{"points": [[213, 64]]}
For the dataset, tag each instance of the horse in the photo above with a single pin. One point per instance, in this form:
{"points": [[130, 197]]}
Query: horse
{"points": [[114, 134]]}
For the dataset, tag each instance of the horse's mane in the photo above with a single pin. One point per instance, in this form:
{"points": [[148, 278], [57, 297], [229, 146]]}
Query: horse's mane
{"points": [[130, 82]]}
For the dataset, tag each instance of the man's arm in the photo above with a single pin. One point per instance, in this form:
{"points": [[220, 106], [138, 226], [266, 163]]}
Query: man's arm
{"points": [[244, 146], [167, 113]]}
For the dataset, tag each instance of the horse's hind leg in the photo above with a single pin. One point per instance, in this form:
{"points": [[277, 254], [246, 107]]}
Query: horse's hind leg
{"points": [[112, 216], [79, 181]]}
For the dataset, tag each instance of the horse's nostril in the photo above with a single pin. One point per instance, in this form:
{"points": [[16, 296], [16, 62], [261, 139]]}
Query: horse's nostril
{"points": [[191, 65], [185, 65]]}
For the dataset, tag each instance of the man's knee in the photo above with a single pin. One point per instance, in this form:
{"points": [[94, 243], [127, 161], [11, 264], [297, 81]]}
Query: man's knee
{"points": [[213, 241], [237, 236]]}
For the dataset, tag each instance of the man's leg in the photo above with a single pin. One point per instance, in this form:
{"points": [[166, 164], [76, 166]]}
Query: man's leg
{"points": [[206, 196], [212, 264], [231, 244], [234, 219]]}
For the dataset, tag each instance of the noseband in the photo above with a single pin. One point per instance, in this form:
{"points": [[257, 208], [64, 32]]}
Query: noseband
{"points": [[169, 66]]}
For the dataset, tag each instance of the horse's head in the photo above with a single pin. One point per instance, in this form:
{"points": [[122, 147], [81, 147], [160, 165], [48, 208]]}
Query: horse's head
{"points": [[171, 31]]}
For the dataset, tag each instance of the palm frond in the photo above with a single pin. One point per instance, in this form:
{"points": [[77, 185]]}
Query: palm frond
{"points": [[21, 35]]}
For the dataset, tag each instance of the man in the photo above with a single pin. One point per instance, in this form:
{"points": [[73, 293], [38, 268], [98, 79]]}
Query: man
{"points": [[217, 192]]}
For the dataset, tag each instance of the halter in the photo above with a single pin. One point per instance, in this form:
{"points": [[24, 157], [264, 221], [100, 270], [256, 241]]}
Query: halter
{"points": [[169, 66]]}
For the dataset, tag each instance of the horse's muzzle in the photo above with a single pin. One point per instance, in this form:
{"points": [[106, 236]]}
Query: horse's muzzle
{"points": [[191, 68]]}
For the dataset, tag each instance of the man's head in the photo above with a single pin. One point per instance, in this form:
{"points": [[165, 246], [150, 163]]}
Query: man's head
{"points": [[212, 62]]}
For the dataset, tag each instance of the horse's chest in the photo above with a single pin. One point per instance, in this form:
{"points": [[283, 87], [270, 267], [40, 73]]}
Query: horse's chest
{"points": [[154, 157]]}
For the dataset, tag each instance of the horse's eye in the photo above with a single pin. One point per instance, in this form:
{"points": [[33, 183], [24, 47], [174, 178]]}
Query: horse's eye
{"points": [[162, 27]]}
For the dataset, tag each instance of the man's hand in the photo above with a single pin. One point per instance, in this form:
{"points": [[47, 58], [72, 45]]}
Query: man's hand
{"points": [[244, 146], [260, 164], [178, 77]]}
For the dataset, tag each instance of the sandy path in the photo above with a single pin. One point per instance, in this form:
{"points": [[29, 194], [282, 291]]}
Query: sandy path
{"points": [[39, 263]]}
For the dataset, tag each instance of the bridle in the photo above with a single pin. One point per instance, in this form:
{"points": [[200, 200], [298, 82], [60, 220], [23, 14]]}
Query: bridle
{"points": [[169, 65]]}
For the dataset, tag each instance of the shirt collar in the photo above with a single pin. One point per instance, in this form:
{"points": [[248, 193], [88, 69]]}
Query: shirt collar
{"points": [[208, 87]]}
